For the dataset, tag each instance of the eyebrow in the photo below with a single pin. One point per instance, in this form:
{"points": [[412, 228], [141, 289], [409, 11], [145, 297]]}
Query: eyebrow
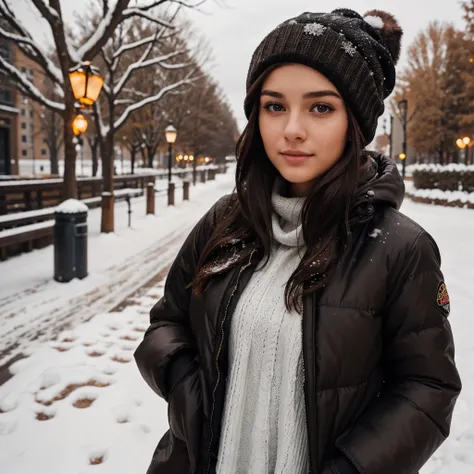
{"points": [[308, 95]]}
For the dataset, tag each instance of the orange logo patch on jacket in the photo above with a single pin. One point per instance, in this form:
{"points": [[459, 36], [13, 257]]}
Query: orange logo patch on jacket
{"points": [[442, 299]]}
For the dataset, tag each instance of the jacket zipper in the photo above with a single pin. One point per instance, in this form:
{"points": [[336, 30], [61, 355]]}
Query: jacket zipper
{"points": [[218, 354], [305, 385]]}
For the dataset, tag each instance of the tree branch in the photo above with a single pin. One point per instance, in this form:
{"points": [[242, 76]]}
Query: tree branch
{"points": [[104, 31], [47, 12], [25, 86], [34, 52], [138, 64], [149, 100], [171, 67], [134, 45], [135, 12], [182, 3]]}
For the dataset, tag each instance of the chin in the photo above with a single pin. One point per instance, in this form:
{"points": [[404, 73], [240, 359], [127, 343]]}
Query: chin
{"points": [[296, 175]]}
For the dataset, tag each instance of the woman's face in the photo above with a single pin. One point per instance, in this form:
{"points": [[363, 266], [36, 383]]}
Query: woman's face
{"points": [[303, 123]]}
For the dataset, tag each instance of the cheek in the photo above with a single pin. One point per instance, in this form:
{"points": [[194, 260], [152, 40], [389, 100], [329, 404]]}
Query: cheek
{"points": [[332, 136], [268, 131]]}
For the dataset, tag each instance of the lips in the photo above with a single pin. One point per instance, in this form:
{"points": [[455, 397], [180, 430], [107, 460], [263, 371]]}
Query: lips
{"points": [[295, 156], [295, 153]]}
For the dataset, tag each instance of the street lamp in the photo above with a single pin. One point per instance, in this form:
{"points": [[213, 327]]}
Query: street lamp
{"points": [[403, 108], [79, 124], [171, 134], [464, 143], [86, 83]]}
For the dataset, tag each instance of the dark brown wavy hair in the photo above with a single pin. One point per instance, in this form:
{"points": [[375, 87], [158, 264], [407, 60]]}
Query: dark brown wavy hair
{"points": [[246, 222]]}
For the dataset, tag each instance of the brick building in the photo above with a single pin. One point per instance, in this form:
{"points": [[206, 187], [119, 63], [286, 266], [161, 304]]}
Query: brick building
{"points": [[23, 147]]}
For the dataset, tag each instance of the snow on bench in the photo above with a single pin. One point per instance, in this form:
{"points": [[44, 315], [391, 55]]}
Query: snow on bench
{"points": [[43, 214], [16, 218], [26, 232], [132, 192]]}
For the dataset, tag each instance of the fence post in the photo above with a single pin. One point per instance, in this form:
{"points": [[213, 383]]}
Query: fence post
{"points": [[171, 187], [150, 198], [185, 190], [107, 218], [129, 211]]}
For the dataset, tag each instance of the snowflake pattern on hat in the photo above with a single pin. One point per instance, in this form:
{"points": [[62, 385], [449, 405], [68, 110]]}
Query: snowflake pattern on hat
{"points": [[349, 48], [315, 29]]}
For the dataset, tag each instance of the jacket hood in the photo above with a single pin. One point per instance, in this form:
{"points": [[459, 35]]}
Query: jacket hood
{"points": [[380, 182]]}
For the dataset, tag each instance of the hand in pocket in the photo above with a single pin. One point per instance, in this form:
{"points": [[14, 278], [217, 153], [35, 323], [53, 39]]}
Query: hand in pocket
{"points": [[185, 413]]}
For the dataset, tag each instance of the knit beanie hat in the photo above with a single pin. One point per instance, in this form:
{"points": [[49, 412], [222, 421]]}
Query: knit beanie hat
{"points": [[357, 54]]}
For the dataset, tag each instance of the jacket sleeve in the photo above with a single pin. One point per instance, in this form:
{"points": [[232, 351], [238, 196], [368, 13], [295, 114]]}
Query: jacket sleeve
{"points": [[412, 415], [168, 342]]}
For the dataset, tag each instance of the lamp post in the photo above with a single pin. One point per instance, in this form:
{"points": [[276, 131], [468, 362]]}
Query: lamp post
{"points": [[388, 135], [79, 126], [464, 143], [86, 83], [467, 141], [403, 108], [171, 134]]}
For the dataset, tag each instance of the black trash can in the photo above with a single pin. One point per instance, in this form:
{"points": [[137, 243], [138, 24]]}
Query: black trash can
{"points": [[70, 241]]}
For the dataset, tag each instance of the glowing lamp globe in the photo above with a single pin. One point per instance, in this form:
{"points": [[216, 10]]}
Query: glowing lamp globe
{"points": [[86, 83], [171, 134], [79, 124]]}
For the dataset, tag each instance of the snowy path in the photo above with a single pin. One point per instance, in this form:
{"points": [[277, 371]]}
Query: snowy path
{"points": [[78, 405], [34, 306]]}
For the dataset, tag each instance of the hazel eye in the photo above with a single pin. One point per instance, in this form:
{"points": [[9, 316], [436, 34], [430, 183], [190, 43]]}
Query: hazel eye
{"points": [[274, 107], [323, 109]]}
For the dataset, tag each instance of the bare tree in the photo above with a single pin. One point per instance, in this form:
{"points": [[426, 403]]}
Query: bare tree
{"points": [[135, 48], [114, 14]]}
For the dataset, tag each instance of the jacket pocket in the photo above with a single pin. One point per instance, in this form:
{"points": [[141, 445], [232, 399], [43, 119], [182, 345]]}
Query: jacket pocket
{"points": [[185, 413], [170, 457]]}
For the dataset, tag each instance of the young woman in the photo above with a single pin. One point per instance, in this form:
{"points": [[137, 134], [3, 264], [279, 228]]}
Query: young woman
{"points": [[304, 324]]}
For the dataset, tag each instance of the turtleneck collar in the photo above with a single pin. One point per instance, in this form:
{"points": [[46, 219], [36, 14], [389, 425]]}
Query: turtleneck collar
{"points": [[286, 216]]}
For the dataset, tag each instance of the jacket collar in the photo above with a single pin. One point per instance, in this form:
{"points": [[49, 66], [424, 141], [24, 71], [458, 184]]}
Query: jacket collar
{"points": [[380, 182]]}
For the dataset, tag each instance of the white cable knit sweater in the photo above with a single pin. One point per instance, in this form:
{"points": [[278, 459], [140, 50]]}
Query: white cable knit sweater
{"points": [[264, 426]]}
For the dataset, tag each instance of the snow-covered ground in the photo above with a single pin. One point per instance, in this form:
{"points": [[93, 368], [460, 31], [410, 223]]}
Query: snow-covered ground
{"points": [[79, 400], [34, 306]]}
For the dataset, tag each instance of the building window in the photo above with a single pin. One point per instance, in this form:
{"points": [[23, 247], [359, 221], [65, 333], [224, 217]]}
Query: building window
{"points": [[23, 125], [32, 112], [43, 151], [6, 96], [24, 152], [23, 138], [22, 112]]}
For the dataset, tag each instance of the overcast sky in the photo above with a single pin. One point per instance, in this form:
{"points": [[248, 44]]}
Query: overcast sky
{"points": [[235, 31]]}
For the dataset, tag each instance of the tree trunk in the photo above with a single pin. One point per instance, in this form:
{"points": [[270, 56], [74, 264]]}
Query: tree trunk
{"points": [[53, 158], [69, 181], [132, 159], [107, 224], [95, 158], [150, 157]]}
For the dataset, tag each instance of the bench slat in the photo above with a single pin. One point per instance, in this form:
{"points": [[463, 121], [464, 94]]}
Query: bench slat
{"points": [[25, 233]]}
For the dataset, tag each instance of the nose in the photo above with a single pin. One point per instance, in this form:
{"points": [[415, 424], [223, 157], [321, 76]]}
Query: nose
{"points": [[295, 129]]}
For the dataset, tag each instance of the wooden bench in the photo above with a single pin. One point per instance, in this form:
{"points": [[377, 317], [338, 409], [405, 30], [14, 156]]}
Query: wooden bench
{"points": [[28, 227], [27, 234], [24, 218]]}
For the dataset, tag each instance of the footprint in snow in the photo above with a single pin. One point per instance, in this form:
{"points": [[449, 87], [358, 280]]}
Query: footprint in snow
{"points": [[98, 457]]}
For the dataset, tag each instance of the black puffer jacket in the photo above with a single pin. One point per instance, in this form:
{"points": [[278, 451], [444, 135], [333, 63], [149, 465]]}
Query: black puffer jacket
{"points": [[381, 381]]}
